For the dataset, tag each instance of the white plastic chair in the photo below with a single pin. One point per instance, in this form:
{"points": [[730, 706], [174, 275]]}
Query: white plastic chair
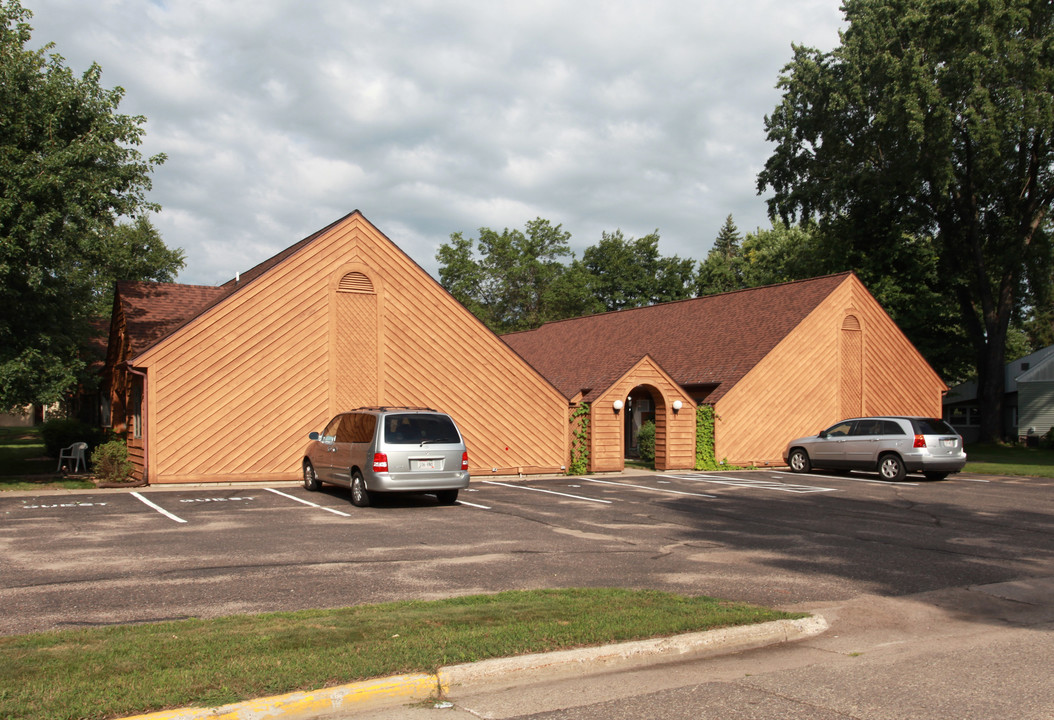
{"points": [[74, 453]]}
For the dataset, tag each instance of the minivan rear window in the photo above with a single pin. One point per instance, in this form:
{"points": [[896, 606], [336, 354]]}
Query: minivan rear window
{"points": [[420, 430]]}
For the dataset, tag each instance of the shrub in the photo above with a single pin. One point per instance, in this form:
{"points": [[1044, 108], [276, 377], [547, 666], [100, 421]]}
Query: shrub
{"points": [[63, 432], [111, 462], [1047, 440], [646, 441]]}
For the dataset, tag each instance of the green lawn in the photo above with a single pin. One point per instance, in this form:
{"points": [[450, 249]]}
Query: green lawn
{"points": [[24, 466], [1009, 460], [103, 672]]}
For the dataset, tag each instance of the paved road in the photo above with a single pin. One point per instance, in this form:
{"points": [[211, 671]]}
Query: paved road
{"points": [[938, 592], [106, 557]]}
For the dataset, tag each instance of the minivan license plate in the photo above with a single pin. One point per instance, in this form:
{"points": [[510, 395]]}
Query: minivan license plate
{"points": [[429, 464]]}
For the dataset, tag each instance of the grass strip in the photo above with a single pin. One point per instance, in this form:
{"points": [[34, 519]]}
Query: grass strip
{"points": [[1014, 460], [123, 670]]}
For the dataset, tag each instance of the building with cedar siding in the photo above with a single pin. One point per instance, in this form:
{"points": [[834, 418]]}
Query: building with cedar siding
{"points": [[775, 362], [225, 383]]}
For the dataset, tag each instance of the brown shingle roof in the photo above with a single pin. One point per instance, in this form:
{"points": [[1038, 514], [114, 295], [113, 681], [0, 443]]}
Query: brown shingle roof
{"points": [[712, 340], [153, 310]]}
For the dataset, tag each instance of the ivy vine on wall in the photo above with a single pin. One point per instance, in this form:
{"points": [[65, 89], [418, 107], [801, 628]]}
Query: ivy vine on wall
{"points": [[704, 438], [579, 464]]}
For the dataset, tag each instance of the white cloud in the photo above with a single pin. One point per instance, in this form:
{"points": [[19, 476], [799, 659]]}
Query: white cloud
{"points": [[278, 117]]}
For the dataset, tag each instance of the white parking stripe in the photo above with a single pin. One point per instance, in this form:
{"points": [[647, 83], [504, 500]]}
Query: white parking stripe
{"points": [[753, 483], [551, 492], [160, 509], [854, 479], [879, 482], [308, 502], [466, 502], [653, 489]]}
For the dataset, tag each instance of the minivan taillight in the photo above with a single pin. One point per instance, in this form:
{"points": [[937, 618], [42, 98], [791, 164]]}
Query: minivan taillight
{"points": [[380, 462], [464, 460], [920, 441]]}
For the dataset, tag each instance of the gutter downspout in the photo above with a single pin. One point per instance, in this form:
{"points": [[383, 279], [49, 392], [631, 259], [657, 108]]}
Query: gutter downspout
{"points": [[146, 426]]}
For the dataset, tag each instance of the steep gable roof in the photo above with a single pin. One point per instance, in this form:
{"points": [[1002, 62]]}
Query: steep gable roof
{"points": [[152, 310], [713, 340], [1042, 371]]}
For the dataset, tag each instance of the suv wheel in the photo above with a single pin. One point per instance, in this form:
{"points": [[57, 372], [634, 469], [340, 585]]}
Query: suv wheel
{"points": [[799, 461], [310, 478], [446, 497], [360, 497], [891, 468]]}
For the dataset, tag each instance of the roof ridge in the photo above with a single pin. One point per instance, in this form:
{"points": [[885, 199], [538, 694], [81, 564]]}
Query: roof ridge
{"points": [[844, 273], [159, 283]]}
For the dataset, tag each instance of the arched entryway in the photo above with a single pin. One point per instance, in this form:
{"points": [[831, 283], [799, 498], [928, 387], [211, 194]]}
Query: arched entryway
{"points": [[645, 391], [645, 403]]}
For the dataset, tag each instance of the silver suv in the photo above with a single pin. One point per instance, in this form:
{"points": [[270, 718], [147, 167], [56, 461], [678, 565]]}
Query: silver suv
{"points": [[894, 446], [389, 449]]}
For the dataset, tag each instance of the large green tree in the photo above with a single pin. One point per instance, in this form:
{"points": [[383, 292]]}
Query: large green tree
{"points": [[626, 272], [69, 172], [721, 271], [932, 119], [516, 281]]}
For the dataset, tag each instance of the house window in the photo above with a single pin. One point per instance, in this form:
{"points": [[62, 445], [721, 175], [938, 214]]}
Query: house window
{"points": [[105, 418], [963, 416], [137, 411]]}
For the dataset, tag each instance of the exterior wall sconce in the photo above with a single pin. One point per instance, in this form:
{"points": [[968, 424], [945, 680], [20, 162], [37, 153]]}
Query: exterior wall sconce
{"points": [[677, 406], [617, 405]]}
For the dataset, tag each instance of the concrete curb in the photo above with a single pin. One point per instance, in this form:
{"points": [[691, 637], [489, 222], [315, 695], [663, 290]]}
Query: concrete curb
{"points": [[409, 688]]}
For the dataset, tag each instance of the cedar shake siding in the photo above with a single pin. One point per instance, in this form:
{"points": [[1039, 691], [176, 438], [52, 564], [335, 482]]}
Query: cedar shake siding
{"points": [[340, 320]]}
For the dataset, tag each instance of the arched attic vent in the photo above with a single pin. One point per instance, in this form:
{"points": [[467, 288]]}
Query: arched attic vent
{"points": [[356, 282]]}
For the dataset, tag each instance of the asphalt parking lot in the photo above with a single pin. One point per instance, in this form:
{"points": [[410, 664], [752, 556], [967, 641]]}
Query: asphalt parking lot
{"points": [[114, 556]]}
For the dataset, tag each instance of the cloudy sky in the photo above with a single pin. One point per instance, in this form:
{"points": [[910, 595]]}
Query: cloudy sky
{"points": [[438, 116]]}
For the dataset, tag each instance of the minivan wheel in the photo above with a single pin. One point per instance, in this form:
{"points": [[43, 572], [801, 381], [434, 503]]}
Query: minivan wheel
{"points": [[360, 497], [446, 497], [310, 478], [891, 468], [799, 461]]}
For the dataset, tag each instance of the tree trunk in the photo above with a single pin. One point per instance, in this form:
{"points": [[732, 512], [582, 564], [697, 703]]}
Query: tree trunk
{"points": [[991, 389]]}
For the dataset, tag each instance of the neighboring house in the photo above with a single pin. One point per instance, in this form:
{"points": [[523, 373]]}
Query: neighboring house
{"points": [[1035, 399], [776, 362], [26, 416], [1024, 407], [224, 383]]}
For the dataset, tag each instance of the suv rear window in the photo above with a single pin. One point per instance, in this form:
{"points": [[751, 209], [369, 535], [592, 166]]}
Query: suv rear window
{"points": [[420, 430], [933, 426]]}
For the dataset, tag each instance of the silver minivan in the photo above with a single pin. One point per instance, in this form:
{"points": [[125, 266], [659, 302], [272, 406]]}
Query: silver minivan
{"points": [[389, 450], [893, 445]]}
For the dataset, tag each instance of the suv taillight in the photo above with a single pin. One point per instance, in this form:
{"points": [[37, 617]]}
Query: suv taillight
{"points": [[464, 460], [920, 441], [380, 462]]}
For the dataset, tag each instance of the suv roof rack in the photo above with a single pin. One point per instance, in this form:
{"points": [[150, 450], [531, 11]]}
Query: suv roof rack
{"points": [[385, 408]]}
